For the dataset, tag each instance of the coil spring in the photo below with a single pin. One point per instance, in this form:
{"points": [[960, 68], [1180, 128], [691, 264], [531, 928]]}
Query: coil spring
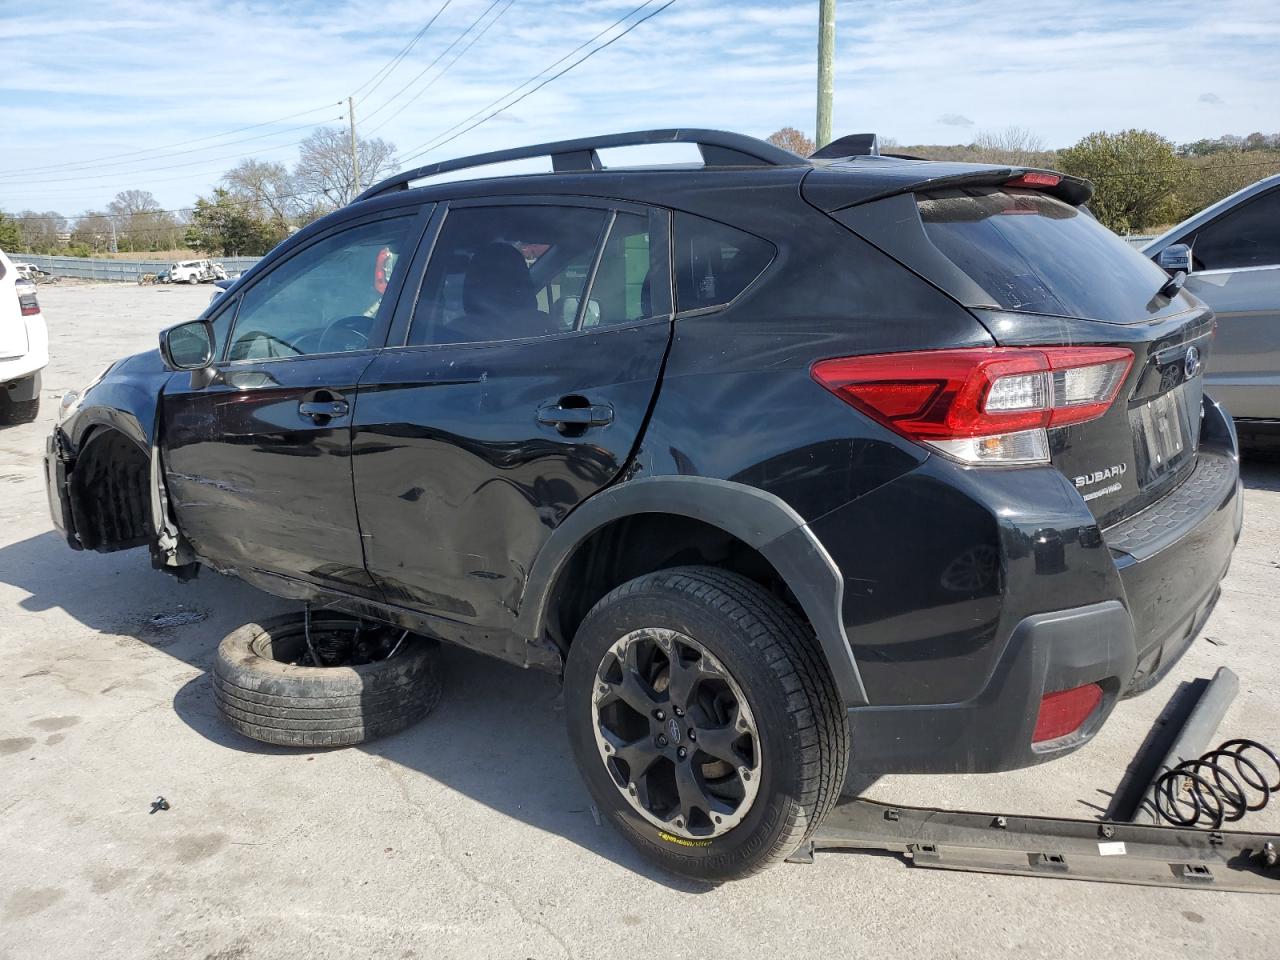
{"points": [[1203, 792]]}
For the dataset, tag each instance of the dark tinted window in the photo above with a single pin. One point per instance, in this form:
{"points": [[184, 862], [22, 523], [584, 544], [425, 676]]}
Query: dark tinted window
{"points": [[506, 273], [1034, 253], [1248, 236], [621, 291], [713, 262], [324, 299]]}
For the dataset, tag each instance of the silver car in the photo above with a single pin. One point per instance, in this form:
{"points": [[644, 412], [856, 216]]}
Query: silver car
{"points": [[1231, 255]]}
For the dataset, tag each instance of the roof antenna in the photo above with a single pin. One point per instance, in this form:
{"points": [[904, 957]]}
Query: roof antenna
{"points": [[853, 145]]}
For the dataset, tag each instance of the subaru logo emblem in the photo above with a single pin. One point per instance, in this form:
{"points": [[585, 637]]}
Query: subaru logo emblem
{"points": [[673, 730], [1191, 365]]}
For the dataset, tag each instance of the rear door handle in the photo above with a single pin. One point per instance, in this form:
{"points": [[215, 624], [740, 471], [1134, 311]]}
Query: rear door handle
{"points": [[323, 410], [579, 417]]}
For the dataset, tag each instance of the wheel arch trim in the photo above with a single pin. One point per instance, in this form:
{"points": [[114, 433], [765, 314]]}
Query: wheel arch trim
{"points": [[759, 519]]}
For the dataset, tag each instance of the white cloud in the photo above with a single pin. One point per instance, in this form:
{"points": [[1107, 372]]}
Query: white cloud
{"points": [[113, 76]]}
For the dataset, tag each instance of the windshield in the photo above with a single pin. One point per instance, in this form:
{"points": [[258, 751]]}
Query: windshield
{"points": [[1031, 252]]}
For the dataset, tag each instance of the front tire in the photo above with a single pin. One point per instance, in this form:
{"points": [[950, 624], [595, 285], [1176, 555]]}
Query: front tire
{"points": [[705, 721]]}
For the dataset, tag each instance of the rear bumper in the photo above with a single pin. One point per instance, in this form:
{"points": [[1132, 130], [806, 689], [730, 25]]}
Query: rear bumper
{"points": [[1013, 592]]}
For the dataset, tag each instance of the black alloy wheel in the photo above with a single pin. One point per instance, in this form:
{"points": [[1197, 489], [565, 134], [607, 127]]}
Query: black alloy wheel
{"points": [[705, 721]]}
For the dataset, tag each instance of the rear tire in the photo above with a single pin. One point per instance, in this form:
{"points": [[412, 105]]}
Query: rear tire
{"points": [[193, 279], [740, 643], [277, 702]]}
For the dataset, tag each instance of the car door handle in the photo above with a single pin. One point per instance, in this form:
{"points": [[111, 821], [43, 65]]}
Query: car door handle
{"points": [[323, 409], [576, 416]]}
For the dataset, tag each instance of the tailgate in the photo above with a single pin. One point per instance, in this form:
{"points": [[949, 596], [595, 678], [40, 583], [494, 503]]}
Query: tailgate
{"points": [[1039, 272]]}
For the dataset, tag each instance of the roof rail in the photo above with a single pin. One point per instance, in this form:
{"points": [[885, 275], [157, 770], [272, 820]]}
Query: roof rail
{"points": [[718, 148]]}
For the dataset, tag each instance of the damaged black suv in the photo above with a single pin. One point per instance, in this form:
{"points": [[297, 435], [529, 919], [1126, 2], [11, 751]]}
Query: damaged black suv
{"points": [[784, 464]]}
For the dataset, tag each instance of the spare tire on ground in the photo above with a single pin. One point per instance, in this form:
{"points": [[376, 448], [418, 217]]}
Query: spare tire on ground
{"points": [[375, 680]]}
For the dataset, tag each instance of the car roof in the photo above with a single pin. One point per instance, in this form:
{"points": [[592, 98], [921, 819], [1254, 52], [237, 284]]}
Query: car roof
{"points": [[729, 159]]}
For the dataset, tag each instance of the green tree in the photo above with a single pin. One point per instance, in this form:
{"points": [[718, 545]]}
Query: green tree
{"points": [[224, 226], [10, 235], [1135, 174]]}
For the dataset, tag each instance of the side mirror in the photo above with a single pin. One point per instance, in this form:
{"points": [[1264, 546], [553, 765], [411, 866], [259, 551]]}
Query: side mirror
{"points": [[188, 346], [1175, 257]]}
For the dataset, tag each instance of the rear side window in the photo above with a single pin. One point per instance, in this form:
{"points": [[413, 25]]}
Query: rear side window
{"points": [[714, 262], [1031, 252], [1248, 236]]}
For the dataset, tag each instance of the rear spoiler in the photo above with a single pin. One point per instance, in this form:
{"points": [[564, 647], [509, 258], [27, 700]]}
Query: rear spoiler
{"points": [[835, 185]]}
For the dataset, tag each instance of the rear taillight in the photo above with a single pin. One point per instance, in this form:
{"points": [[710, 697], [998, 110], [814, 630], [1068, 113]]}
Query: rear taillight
{"points": [[27, 300], [1065, 712], [981, 405]]}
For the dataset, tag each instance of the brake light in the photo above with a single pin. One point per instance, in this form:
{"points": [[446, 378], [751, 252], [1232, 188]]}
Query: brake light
{"points": [[1065, 712], [985, 404], [28, 302], [1034, 179]]}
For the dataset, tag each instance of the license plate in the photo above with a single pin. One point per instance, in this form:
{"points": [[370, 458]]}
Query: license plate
{"points": [[1163, 434]]}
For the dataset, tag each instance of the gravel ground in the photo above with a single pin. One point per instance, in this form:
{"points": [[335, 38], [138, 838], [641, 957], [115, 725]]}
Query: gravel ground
{"points": [[470, 834]]}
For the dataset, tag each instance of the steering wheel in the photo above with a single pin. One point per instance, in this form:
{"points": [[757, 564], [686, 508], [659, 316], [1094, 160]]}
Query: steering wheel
{"points": [[250, 337], [344, 334]]}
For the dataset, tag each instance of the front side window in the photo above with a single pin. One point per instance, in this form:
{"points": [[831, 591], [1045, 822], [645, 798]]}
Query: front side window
{"points": [[714, 262], [507, 273], [324, 299], [1248, 236]]}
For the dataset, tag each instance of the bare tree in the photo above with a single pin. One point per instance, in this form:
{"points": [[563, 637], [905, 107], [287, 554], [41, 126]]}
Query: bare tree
{"points": [[267, 190], [93, 230], [42, 232], [789, 138], [139, 221], [324, 164], [1013, 145]]}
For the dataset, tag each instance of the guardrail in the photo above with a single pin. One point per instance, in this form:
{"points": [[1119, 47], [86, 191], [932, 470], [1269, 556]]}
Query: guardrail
{"points": [[124, 271]]}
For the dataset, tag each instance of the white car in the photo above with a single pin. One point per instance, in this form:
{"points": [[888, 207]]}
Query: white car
{"points": [[196, 271], [24, 346], [29, 271]]}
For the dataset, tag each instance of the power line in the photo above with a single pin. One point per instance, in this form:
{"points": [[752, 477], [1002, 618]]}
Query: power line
{"points": [[436, 142], [174, 166], [181, 143], [186, 209], [461, 53], [179, 153], [1189, 168], [386, 103], [395, 61]]}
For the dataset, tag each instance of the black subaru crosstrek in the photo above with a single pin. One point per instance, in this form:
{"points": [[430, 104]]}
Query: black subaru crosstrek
{"points": [[784, 464]]}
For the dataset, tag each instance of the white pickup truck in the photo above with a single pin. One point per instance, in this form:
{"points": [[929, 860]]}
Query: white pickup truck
{"points": [[196, 271], [24, 346]]}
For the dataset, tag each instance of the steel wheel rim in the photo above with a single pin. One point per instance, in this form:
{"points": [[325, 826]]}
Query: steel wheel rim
{"points": [[676, 734]]}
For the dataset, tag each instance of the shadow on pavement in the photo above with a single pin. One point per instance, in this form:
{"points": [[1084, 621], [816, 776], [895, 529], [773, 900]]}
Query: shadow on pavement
{"points": [[1260, 473], [497, 735]]}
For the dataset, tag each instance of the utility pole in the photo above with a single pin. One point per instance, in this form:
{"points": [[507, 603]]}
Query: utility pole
{"points": [[355, 156], [826, 80]]}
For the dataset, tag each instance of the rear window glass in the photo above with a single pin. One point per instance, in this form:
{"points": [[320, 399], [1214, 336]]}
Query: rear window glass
{"points": [[1033, 253], [714, 263]]}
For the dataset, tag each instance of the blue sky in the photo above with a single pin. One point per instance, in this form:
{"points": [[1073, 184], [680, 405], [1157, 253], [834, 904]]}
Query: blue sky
{"points": [[86, 80]]}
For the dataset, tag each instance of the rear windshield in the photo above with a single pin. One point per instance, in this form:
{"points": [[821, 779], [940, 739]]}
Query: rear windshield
{"points": [[1031, 252]]}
